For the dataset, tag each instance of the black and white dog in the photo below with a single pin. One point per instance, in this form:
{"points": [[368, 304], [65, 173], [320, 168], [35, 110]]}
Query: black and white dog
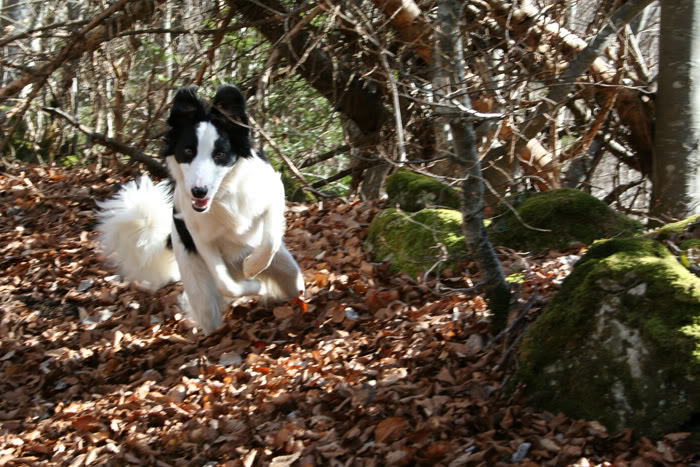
{"points": [[217, 225]]}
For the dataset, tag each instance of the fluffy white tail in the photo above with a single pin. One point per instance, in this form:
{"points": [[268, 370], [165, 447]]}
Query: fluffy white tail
{"points": [[134, 228]]}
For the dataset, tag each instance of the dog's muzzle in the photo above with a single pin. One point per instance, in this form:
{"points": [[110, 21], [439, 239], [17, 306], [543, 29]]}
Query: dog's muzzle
{"points": [[200, 205], [200, 202]]}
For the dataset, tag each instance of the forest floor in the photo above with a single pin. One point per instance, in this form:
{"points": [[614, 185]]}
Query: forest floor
{"points": [[380, 370]]}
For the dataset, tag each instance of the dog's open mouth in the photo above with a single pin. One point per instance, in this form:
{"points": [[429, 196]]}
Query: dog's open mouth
{"points": [[200, 205]]}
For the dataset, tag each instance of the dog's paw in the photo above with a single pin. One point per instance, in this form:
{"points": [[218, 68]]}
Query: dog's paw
{"points": [[234, 289], [254, 265], [228, 288]]}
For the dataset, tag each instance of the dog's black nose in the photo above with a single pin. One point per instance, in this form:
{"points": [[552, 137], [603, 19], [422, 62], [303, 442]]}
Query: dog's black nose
{"points": [[199, 192]]}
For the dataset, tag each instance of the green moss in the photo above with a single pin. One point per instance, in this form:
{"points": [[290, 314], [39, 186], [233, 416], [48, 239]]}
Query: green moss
{"points": [[693, 243], [415, 242], [667, 231], [681, 233], [516, 278], [620, 342], [568, 216], [412, 192]]}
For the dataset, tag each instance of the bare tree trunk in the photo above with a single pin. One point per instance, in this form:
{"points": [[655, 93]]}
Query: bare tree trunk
{"points": [[168, 43], [464, 147], [676, 172]]}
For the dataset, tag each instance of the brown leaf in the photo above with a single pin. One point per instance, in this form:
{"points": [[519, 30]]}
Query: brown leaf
{"points": [[390, 429], [250, 458], [675, 437], [284, 461], [445, 376], [573, 451], [337, 313], [86, 423], [320, 278], [549, 444], [438, 449], [283, 312]]}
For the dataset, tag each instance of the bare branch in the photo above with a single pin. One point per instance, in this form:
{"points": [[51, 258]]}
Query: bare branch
{"points": [[153, 166], [567, 81], [308, 162], [340, 86], [98, 31]]}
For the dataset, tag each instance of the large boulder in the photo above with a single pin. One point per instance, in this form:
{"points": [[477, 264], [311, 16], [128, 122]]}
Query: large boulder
{"points": [[557, 219], [412, 192], [416, 242], [620, 342]]}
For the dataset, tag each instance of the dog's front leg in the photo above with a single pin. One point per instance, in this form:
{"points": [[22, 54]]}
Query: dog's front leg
{"points": [[224, 282], [273, 231]]}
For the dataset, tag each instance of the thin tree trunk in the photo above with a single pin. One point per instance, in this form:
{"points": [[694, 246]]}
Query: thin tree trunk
{"points": [[676, 172], [452, 66]]}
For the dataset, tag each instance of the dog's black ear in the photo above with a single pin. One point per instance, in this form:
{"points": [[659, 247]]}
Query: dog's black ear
{"points": [[186, 105], [230, 103], [228, 108]]}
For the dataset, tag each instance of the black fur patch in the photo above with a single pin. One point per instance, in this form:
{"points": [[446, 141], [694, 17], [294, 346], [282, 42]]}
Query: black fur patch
{"points": [[184, 234], [228, 115]]}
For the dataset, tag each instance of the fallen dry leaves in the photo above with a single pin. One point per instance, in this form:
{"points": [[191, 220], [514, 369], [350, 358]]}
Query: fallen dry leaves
{"points": [[375, 369]]}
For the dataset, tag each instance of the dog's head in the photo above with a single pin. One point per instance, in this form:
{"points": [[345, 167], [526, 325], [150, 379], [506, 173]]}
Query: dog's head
{"points": [[207, 140]]}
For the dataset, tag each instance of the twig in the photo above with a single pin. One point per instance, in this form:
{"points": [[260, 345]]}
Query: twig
{"points": [[288, 162], [618, 190], [30, 32], [19, 115], [333, 178], [153, 166], [97, 32], [308, 162], [397, 108]]}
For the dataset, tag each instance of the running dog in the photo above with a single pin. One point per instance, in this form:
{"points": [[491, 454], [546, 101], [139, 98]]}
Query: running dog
{"points": [[217, 225]]}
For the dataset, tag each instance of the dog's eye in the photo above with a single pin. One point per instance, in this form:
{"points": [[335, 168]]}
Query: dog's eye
{"points": [[188, 152], [220, 156]]}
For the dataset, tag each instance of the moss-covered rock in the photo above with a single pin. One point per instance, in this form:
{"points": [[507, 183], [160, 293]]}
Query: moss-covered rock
{"points": [[620, 342], [412, 192], [569, 216], [415, 242]]}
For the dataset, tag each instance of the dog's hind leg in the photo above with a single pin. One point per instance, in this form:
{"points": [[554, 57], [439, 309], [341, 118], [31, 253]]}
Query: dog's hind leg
{"points": [[283, 279]]}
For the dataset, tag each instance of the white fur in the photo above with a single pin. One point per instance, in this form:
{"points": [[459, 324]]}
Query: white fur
{"points": [[202, 171], [134, 227], [238, 238]]}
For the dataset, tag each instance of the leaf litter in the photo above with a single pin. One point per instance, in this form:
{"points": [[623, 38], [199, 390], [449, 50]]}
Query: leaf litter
{"points": [[372, 369]]}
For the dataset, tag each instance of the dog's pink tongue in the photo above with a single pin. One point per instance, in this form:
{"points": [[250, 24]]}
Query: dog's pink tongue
{"points": [[200, 203]]}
